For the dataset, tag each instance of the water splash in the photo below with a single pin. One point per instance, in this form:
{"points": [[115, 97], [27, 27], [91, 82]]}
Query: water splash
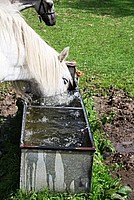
{"points": [[64, 99]]}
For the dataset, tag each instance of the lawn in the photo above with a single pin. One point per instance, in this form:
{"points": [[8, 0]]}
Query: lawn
{"points": [[100, 35]]}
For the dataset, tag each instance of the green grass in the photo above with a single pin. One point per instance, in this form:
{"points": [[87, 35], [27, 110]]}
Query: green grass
{"points": [[100, 34], [101, 39]]}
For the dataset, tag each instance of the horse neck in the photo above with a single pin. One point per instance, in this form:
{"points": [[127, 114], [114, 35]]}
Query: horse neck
{"points": [[23, 4], [5, 1], [30, 2]]}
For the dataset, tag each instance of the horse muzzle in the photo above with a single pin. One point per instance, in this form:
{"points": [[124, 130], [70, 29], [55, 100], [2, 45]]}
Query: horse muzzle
{"points": [[49, 18]]}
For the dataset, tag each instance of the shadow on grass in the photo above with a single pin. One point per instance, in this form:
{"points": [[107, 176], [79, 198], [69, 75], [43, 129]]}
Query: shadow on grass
{"points": [[115, 8], [9, 154]]}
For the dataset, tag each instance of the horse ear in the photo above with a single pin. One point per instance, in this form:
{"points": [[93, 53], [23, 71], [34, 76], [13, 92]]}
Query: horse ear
{"points": [[63, 55]]}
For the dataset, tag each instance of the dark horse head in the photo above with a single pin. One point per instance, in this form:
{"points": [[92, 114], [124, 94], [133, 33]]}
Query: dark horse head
{"points": [[46, 12], [44, 8]]}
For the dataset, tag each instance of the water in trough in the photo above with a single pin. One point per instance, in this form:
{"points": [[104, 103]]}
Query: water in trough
{"points": [[55, 125]]}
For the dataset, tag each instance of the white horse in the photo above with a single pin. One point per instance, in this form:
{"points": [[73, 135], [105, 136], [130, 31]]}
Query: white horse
{"points": [[44, 8], [25, 56]]}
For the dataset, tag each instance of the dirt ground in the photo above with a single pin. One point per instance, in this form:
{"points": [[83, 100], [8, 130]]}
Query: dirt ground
{"points": [[117, 109]]}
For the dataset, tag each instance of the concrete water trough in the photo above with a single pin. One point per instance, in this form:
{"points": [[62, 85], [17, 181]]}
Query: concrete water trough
{"points": [[56, 147]]}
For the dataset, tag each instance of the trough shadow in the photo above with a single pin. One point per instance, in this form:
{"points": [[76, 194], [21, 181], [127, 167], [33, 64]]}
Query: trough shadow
{"points": [[120, 8], [10, 128]]}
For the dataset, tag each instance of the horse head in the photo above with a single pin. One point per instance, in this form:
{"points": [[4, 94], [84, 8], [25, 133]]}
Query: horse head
{"points": [[45, 9]]}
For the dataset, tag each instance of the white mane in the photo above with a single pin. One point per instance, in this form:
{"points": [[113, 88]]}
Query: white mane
{"points": [[40, 59]]}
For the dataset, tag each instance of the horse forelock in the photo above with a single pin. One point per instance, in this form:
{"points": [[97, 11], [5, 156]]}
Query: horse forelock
{"points": [[40, 59]]}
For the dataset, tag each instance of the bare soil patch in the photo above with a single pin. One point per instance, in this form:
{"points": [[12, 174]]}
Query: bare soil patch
{"points": [[117, 110], [8, 104]]}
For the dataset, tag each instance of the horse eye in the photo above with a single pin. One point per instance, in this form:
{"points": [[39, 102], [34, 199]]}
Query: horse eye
{"points": [[65, 81]]}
